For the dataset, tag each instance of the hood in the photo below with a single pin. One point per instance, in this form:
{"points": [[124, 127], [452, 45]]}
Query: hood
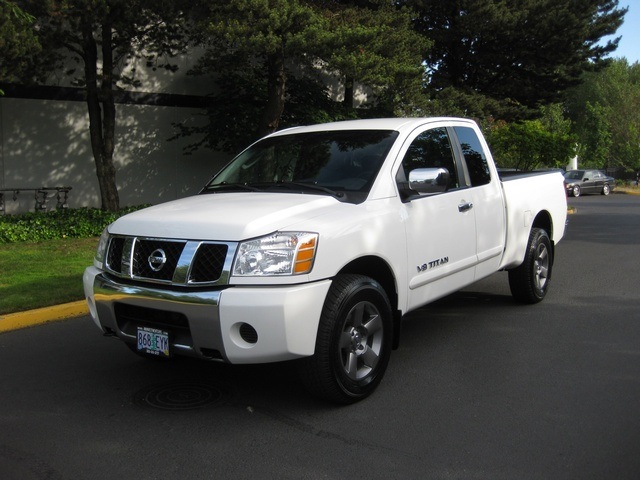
{"points": [[225, 216]]}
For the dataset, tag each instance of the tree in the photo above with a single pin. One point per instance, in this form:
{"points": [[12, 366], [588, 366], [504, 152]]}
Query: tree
{"points": [[373, 43], [106, 37], [274, 62], [17, 41], [260, 34], [523, 53], [605, 110], [546, 142]]}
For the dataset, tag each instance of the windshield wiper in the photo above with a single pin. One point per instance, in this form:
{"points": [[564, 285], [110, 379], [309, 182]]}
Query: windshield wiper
{"points": [[307, 186], [232, 186]]}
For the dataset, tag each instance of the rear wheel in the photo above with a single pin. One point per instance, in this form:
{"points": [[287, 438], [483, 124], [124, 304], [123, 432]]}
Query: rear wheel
{"points": [[606, 189], [353, 343], [529, 282]]}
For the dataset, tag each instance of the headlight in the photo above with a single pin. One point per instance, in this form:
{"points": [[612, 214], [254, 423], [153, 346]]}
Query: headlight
{"points": [[281, 253], [98, 259]]}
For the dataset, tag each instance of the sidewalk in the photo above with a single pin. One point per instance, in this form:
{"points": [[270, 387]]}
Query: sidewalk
{"points": [[15, 321]]}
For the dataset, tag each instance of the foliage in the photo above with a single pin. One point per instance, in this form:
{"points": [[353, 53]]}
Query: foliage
{"points": [[231, 119], [261, 38], [521, 53], [56, 224], [545, 142], [108, 38], [374, 44], [452, 101], [284, 61], [17, 41], [605, 110]]}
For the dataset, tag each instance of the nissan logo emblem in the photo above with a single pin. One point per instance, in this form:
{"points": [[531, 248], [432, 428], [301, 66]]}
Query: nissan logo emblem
{"points": [[157, 259]]}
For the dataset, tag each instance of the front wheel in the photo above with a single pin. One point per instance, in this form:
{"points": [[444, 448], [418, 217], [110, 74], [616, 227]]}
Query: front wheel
{"points": [[576, 191], [353, 343], [529, 282]]}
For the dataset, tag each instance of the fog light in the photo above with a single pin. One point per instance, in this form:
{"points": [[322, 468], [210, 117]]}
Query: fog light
{"points": [[248, 333]]}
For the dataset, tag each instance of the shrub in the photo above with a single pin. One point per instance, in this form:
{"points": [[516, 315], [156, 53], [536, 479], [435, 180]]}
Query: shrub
{"points": [[67, 223]]}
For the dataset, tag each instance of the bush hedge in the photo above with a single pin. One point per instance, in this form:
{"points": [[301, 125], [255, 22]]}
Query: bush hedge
{"points": [[64, 223]]}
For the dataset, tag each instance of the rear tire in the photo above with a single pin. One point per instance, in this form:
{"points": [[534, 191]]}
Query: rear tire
{"points": [[529, 282], [353, 343], [606, 189]]}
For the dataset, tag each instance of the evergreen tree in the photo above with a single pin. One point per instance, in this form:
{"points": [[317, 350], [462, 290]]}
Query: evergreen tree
{"points": [[17, 41], [523, 53], [275, 63], [253, 42], [372, 43]]}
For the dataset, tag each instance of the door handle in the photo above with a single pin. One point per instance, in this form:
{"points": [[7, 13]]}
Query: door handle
{"points": [[463, 207]]}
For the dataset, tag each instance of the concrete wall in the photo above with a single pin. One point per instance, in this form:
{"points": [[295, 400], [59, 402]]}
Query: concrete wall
{"points": [[46, 143]]}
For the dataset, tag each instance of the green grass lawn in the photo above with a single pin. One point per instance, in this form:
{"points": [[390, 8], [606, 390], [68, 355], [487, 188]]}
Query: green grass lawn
{"points": [[41, 274]]}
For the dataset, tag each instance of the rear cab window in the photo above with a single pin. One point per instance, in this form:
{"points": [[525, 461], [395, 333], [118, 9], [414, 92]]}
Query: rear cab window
{"points": [[474, 156]]}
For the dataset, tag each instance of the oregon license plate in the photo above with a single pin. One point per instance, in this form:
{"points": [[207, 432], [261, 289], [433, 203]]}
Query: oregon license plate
{"points": [[153, 341]]}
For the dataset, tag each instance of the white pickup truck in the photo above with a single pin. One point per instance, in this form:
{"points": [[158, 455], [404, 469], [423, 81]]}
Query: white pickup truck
{"points": [[315, 241]]}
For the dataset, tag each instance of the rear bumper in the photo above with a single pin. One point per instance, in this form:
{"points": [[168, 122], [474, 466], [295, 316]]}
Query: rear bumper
{"points": [[213, 324]]}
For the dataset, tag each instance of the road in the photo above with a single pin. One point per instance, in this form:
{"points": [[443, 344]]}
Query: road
{"points": [[481, 388]]}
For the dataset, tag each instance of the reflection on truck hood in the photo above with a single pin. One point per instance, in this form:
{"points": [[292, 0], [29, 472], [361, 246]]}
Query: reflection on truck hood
{"points": [[225, 217]]}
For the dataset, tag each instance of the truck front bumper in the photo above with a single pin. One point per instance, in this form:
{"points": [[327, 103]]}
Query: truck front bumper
{"points": [[237, 324]]}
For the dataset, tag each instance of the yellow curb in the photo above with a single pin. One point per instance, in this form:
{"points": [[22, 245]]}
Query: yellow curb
{"points": [[15, 321]]}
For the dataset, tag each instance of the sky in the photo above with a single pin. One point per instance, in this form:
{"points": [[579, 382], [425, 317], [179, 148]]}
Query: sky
{"points": [[629, 45]]}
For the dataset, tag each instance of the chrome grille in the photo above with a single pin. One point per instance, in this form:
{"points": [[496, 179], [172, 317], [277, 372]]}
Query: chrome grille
{"points": [[170, 261], [208, 263], [143, 250], [114, 256]]}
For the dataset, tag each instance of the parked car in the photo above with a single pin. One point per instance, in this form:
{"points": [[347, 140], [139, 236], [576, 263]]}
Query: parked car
{"points": [[579, 182]]}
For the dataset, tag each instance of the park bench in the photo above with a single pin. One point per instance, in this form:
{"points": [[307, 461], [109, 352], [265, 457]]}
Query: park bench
{"points": [[41, 196]]}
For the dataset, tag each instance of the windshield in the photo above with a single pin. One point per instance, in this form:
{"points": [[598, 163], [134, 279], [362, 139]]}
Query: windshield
{"points": [[320, 162]]}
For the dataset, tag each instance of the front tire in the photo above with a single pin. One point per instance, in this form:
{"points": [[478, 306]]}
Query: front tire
{"points": [[529, 282], [576, 191], [353, 343]]}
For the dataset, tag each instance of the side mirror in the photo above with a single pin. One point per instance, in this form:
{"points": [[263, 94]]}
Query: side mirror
{"points": [[427, 181]]}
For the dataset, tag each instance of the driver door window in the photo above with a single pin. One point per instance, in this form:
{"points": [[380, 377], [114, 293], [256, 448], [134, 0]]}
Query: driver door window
{"points": [[430, 149]]}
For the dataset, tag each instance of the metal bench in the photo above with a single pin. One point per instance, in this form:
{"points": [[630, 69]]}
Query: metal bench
{"points": [[41, 196]]}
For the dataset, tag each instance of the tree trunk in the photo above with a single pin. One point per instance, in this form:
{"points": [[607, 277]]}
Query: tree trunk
{"points": [[348, 93], [275, 94], [101, 109]]}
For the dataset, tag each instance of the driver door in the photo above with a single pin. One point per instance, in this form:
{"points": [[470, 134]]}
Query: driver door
{"points": [[440, 228]]}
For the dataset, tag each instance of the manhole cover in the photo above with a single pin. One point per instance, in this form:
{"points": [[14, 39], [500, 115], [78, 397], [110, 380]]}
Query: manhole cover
{"points": [[179, 396]]}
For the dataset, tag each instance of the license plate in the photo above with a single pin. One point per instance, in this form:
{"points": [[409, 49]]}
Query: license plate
{"points": [[153, 341]]}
